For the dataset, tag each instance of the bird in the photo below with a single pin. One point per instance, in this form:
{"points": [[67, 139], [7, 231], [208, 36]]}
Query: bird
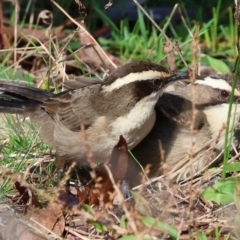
{"points": [[185, 138], [92, 118], [173, 133]]}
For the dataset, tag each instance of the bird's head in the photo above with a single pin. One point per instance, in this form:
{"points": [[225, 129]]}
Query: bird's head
{"points": [[214, 93], [147, 77]]}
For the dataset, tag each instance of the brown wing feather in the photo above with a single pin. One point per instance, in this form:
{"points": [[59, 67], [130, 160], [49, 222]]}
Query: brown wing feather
{"points": [[180, 110], [80, 82], [71, 108]]}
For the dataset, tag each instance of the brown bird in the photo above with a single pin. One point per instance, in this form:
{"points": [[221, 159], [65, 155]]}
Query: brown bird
{"points": [[174, 140], [123, 104]]}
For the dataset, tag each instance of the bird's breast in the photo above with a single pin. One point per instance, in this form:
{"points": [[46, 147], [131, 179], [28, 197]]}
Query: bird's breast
{"points": [[138, 122]]}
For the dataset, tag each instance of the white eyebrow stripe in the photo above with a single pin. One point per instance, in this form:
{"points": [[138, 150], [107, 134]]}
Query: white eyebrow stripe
{"points": [[218, 84], [133, 77]]}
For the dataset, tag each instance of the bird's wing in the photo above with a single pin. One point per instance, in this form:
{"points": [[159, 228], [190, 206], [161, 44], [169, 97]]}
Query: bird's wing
{"points": [[80, 82], [173, 106], [179, 109], [71, 108]]}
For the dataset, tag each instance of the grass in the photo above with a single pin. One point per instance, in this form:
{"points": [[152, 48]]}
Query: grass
{"points": [[140, 42], [143, 42], [22, 149]]}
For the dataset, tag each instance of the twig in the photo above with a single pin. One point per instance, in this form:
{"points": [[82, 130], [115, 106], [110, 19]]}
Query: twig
{"points": [[86, 32], [162, 32], [72, 231], [128, 216], [16, 31]]}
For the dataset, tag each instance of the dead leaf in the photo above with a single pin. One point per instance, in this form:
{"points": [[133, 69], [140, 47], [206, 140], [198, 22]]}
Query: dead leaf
{"points": [[27, 196], [119, 160], [50, 218]]}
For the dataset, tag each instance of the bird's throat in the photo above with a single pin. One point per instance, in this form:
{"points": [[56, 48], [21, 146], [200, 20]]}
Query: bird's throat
{"points": [[137, 123], [217, 119]]}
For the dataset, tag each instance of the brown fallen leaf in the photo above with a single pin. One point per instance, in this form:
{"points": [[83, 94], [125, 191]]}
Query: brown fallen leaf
{"points": [[27, 196], [48, 219], [39, 34], [119, 160]]}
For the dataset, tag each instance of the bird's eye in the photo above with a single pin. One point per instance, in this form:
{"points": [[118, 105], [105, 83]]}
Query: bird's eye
{"points": [[155, 82], [224, 94]]}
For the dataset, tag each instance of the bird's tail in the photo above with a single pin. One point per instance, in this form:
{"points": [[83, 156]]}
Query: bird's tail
{"points": [[19, 98]]}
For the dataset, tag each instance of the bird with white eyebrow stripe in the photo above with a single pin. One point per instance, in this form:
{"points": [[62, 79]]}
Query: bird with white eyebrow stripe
{"points": [[188, 140], [123, 104]]}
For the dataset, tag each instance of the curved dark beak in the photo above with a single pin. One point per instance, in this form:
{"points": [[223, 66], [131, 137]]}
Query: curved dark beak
{"points": [[184, 76]]}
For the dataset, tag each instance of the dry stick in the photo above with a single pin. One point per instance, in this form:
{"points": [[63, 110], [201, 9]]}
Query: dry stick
{"points": [[171, 16], [216, 172], [46, 50], [73, 232], [128, 216], [237, 21], [192, 194], [86, 233], [83, 29], [57, 60], [168, 21], [21, 48], [209, 163], [69, 38], [190, 33], [34, 30], [162, 32], [46, 229], [236, 16], [15, 32], [31, 17], [1, 19]]}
